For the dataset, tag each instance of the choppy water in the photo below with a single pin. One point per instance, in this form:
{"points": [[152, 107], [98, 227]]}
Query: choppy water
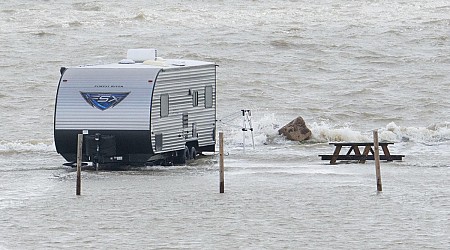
{"points": [[347, 67]]}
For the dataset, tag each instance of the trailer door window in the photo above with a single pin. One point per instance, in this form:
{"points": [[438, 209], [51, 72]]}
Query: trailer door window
{"points": [[164, 99], [208, 97]]}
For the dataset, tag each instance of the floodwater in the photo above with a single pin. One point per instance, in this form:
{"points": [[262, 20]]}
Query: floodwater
{"points": [[346, 67]]}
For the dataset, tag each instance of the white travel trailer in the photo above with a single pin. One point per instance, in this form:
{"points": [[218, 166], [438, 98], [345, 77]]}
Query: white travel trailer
{"points": [[141, 110]]}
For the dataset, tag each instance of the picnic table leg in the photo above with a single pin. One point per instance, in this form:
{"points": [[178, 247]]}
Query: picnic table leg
{"points": [[386, 152], [358, 152], [367, 148], [356, 149], [337, 150]]}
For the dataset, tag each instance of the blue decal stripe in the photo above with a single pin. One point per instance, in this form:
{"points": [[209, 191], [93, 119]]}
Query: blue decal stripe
{"points": [[103, 100]]}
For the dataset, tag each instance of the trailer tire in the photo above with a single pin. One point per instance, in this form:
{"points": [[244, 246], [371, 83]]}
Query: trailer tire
{"points": [[193, 153], [186, 154], [182, 156]]}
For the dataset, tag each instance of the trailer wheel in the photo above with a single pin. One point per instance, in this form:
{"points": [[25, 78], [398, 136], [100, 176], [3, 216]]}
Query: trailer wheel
{"points": [[193, 153], [182, 156], [186, 154]]}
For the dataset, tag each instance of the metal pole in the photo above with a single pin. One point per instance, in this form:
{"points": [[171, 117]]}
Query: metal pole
{"points": [[222, 175], [244, 128], [243, 140], [79, 160], [377, 160]]}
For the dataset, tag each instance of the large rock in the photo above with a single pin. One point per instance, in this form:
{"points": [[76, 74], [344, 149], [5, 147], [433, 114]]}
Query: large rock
{"points": [[296, 130]]}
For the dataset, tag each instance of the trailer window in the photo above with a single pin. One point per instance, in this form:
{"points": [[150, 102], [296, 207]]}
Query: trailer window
{"points": [[208, 97], [194, 98], [164, 99]]}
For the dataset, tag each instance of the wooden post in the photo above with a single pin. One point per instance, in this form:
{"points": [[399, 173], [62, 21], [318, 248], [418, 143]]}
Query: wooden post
{"points": [[377, 160], [79, 160], [222, 177]]}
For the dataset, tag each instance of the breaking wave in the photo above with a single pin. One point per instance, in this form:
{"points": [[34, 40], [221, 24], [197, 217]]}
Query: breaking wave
{"points": [[17, 147], [266, 132], [434, 133]]}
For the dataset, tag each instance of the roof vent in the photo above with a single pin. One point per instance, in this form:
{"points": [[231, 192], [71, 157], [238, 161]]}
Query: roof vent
{"points": [[140, 55], [126, 61]]}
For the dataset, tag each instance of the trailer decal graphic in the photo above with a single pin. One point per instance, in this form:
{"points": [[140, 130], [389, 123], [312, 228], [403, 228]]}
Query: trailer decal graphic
{"points": [[103, 101]]}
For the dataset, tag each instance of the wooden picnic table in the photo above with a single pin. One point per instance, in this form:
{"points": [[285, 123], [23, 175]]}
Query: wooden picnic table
{"points": [[354, 152]]}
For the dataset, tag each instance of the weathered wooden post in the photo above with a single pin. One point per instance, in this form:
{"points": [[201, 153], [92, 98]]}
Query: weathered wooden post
{"points": [[377, 160], [222, 175], [79, 161]]}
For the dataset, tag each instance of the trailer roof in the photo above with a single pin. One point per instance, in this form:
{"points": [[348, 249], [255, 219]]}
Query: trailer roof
{"points": [[158, 63]]}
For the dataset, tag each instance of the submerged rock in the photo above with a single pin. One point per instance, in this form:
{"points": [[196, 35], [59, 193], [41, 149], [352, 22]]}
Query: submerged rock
{"points": [[296, 130]]}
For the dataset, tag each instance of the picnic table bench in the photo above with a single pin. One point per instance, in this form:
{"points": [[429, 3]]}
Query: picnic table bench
{"points": [[354, 152]]}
